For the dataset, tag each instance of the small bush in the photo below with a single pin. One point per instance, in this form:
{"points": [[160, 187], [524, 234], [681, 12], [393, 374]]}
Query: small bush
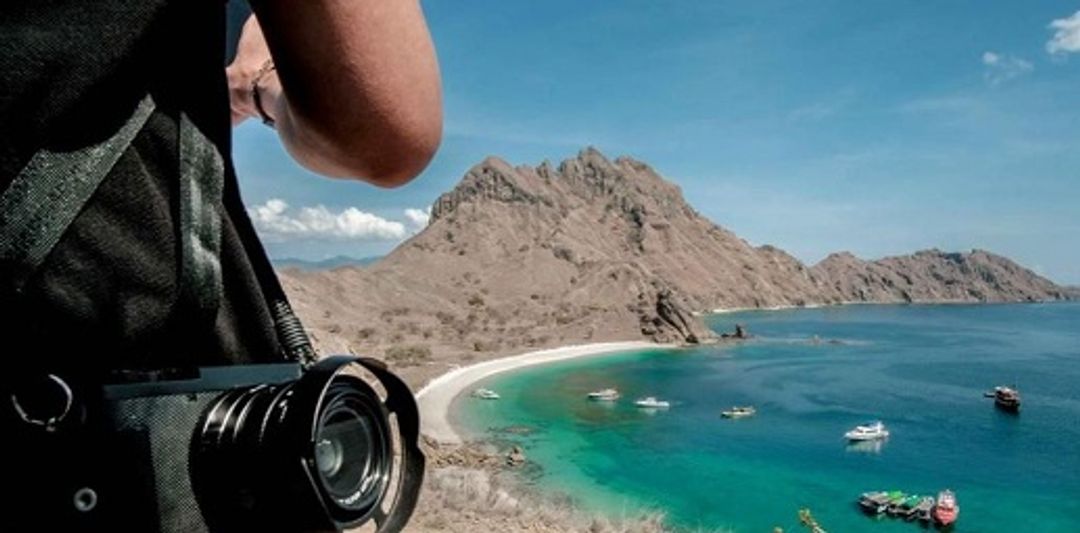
{"points": [[407, 355]]}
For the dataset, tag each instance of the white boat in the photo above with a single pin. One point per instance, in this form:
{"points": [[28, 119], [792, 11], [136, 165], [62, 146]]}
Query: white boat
{"points": [[870, 431], [485, 394], [606, 395], [739, 412], [651, 401], [866, 446]]}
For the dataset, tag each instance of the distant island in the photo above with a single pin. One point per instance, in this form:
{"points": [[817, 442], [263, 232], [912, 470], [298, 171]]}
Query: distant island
{"points": [[522, 258], [323, 264]]}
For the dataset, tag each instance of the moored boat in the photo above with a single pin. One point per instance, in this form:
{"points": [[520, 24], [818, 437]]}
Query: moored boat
{"points": [[866, 446], [922, 510], [606, 395], [874, 503], [895, 498], [652, 402], [485, 394], [902, 507], [870, 431], [739, 412], [946, 510], [1007, 399]]}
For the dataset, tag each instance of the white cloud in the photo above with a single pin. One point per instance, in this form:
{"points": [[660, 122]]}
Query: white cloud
{"points": [[419, 218], [1066, 37], [1002, 68], [276, 220]]}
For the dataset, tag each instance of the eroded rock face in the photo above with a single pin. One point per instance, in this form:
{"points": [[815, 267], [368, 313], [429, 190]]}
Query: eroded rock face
{"points": [[664, 319], [593, 249]]}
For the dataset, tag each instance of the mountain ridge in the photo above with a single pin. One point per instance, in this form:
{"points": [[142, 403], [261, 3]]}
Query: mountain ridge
{"points": [[330, 263], [593, 249]]}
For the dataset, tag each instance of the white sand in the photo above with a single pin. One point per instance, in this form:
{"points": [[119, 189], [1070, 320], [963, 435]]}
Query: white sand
{"points": [[435, 397]]}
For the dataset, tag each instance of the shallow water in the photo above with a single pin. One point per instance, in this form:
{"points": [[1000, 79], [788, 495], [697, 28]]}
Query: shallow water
{"points": [[920, 369]]}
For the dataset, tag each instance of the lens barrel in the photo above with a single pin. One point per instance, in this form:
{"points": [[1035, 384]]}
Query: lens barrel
{"points": [[315, 454]]}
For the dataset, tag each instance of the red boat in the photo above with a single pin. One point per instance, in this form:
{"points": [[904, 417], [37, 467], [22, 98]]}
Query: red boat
{"points": [[946, 510]]}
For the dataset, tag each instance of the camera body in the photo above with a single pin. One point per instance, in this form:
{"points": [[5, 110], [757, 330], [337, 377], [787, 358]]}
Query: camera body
{"points": [[230, 449], [159, 421]]}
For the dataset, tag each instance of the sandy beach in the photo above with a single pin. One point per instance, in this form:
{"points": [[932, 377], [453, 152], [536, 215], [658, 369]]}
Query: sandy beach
{"points": [[435, 397]]}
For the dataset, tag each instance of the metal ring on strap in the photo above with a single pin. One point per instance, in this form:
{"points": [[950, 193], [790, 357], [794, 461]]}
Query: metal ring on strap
{"points": [[51, 422]]}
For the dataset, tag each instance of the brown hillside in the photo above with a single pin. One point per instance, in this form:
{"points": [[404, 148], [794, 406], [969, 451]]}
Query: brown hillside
{"points": [[521, 257]]}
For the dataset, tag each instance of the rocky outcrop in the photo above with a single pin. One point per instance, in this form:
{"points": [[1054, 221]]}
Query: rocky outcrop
{"points": [[664, 319], [516, 457], [740, 333]]}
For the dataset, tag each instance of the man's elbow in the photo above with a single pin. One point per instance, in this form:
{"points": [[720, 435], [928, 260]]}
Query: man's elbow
{"points": [[396, 158], [386, 155]]}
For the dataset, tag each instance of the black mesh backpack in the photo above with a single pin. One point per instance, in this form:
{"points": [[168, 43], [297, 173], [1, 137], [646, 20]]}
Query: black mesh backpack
{"points": [[124, 243]]}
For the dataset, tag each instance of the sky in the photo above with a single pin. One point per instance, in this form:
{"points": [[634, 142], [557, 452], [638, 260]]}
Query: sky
{"points": [[875, 127]]}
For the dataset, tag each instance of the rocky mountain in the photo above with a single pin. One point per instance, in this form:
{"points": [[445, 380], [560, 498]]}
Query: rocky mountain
{"points": [[933, 276], [597, 249]]}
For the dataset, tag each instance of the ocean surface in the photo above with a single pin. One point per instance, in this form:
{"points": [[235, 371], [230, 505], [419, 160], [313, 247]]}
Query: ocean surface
{"points": [[814, 374]]}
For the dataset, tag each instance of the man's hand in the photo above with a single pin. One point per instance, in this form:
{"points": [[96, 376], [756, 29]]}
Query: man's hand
{"points": [[355, 92], [251, 54]]}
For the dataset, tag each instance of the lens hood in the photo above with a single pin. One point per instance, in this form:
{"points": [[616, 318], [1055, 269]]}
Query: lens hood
{"points": [[329, 451]]}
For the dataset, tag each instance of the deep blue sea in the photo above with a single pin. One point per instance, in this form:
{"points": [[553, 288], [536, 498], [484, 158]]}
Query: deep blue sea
{"points": [[920, 369]]}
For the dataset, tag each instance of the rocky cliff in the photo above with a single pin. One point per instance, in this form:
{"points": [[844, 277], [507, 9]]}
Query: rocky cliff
{"points": [[597, 249]]}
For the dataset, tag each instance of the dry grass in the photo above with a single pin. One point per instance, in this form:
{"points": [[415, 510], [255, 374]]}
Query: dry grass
{"points": [[465, 499]]}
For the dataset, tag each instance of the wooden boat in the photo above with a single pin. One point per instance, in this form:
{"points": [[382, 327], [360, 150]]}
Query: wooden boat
{"points": [[903, 507], [921, 511], [1007, 399], [874, 503]]}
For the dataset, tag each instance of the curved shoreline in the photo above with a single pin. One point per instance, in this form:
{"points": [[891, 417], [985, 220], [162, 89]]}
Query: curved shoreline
{"points": [[435, 397]]}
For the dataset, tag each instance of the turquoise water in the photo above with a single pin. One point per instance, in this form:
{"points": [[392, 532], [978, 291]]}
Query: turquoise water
{"points": [[921, 369]]}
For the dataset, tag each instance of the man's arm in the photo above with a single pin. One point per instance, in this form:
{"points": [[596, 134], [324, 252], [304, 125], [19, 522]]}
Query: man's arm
{"points": [[355, 91]]}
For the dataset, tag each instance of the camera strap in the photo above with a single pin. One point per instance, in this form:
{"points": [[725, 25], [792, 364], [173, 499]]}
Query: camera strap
{"points": [[295, 345]]}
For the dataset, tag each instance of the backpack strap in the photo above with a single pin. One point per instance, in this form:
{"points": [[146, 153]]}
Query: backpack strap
{"points": [[47, 195], [202, 180], [50, 191]]}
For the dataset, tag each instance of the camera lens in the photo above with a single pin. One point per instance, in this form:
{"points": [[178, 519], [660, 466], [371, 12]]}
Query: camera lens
{"points": [[352, 446], [314, 454]]}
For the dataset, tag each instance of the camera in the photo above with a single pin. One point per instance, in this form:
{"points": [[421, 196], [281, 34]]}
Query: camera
{"points": [[240, 448]]}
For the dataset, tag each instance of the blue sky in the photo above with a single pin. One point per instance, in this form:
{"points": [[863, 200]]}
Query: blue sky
{"points": [[869, 126]]}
